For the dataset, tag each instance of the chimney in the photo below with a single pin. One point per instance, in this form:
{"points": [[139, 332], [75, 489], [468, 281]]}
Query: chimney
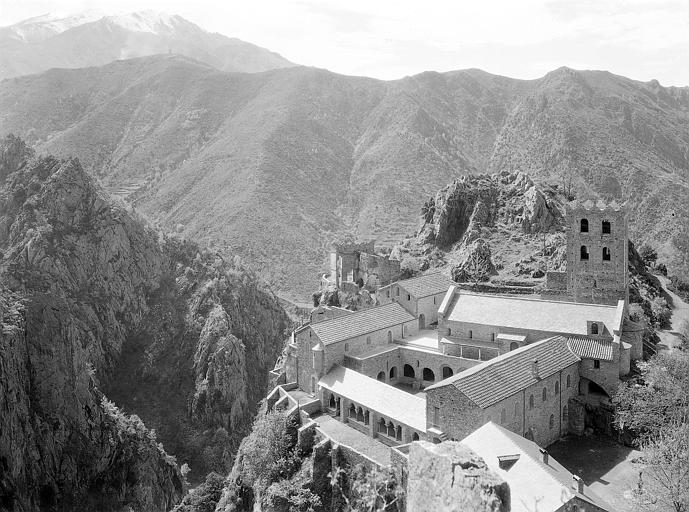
{"points": [[534, 369], [577, 484], [544, 455]]}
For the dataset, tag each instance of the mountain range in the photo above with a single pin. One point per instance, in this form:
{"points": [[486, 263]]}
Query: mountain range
{"points": [[93, 39], [273, 165]]}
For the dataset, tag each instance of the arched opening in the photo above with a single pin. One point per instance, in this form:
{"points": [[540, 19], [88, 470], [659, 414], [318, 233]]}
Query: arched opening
{"points": [[389, 336], [428, 375], [352, 411], [391, 430], [360, 415], [584, 253], [408, 371], [545, 394], [584, 226], [381, 376], [398, 434], [331, 403], [382, 428], [551, 422], [594, 328], [605, 227], [557, 387], [415, 437], [606, 254], [447, 372], [569, 381], [422, 321], [514, 345], [393, 372], [471, 334], [595, 389]]}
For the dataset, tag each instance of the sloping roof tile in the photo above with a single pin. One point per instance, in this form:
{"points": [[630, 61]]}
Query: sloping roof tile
{"points": [[426, 285], [588, 348], [494, 380], [361, 322], [389, 401], [529, 313], [530, 479]]}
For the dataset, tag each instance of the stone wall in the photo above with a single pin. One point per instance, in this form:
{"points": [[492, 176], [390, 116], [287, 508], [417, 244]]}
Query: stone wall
{"points": [[457, 415], [607, 376], [377, 270], [556, 280], [451, 477]]}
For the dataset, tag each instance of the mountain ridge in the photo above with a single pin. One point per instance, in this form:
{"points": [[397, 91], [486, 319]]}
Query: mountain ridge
{"points": [[31, 47], [273, 165]]}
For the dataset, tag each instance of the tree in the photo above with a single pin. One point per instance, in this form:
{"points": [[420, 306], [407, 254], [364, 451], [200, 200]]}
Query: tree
{"points": [[664, 482], [370, 489], [648, 254]]}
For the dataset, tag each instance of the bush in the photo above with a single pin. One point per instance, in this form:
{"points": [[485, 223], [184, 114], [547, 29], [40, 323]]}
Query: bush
{"points": [[661, 312], [648, 254], [285, 495], [662, 269]]}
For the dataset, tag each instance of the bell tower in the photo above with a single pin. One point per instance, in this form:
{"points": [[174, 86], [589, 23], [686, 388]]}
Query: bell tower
{"points": [[597, 252]]}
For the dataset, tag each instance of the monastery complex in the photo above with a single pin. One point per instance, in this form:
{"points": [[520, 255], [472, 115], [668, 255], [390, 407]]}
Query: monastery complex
{"points": [[504, 375]]}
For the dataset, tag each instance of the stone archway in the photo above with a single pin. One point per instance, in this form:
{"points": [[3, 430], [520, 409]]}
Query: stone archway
{"points": [[409, 371], [447, 372], [428, 375], [381, 376]]}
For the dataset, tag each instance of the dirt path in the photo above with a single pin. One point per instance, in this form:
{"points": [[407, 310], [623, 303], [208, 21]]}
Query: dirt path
{"points": [[680, 312]]}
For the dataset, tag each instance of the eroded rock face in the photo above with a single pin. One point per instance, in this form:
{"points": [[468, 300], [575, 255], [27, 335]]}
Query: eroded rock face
{"points": [[475, 263], [451, 477], [97, 300]]}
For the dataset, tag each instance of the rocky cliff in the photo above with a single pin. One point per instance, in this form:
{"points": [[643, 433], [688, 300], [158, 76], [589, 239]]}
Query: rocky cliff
{"points": [[97, 302]]}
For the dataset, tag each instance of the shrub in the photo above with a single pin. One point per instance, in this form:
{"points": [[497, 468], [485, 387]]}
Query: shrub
{"points": [[661, 312], [648, 254]]}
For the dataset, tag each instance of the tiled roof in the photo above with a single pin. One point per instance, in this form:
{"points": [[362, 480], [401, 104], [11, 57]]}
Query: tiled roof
{"points": [[361, 322], [426, 285], [492, 381], [530, 479], [528, 313], [588, 348], [387, 400]]}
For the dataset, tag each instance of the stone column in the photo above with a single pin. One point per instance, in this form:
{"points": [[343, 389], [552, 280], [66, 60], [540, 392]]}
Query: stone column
{"points": [[344, 409]]}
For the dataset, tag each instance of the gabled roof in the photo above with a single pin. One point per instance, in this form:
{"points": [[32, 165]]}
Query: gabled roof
{"points": [[492, 381], [387, 400], [533, 314], [588, 348], [531, 480], [425, 285], [361, 322]]}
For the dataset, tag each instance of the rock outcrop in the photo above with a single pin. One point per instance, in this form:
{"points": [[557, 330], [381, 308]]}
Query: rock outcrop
{"points": [[453, 478], [96, 301]]}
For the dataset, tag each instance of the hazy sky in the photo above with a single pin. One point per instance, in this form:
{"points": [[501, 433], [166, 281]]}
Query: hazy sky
{"points": [[641, 39]]}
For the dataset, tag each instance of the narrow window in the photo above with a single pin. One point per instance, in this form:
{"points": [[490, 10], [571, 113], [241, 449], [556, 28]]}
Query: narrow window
{"points": [[368, 340], [346, 347], [531, 402], [397, 292], [564, 414], [551, 423], [387, 292], [408, 296], [557, 387], [471, 334], [584, 226], [569, 381], [594, 328], [516, 409], [492, 336], [606, 254], [584, 253], [545, 394], [433, 300], [503, 416], [596, 363], [606, 227], [436, 416]]}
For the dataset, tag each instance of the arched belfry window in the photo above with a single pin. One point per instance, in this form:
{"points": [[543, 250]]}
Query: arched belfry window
{"points": [[606, 254], [605, 227], [594, 328], [584, 226], [584, 253]]}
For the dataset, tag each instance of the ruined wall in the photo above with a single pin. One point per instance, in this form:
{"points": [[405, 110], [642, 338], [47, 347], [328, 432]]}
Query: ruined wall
{"points": [[377, 270], [452, 478]]}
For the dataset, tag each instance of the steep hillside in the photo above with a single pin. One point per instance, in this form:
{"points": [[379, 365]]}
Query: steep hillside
{"points": [[274, 165], [99, 302], [37, 44]]}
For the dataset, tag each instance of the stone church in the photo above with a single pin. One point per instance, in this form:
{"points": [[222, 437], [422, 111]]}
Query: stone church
{"points": [[433, 362]]}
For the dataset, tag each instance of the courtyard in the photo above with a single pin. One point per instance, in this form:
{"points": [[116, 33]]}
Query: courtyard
{"points": [[606, 466]]}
